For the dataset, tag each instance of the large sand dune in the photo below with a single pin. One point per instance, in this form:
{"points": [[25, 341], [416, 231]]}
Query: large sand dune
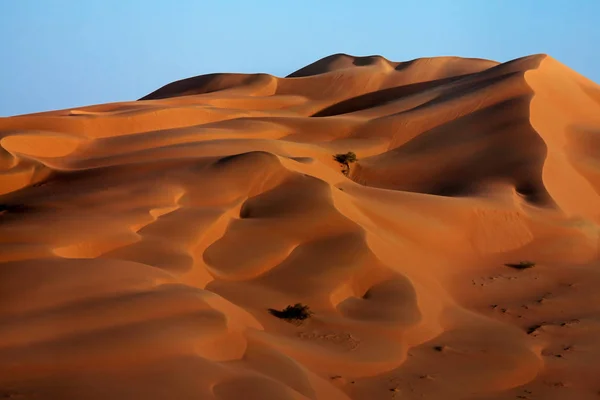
{"points": [[142, 243]]}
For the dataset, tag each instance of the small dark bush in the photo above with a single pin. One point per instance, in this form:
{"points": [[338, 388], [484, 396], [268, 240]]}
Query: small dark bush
{"points": [[297, 312], [345, 160], [521, 265]]}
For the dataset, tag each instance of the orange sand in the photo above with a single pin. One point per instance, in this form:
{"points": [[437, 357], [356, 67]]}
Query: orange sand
{"points": [[142, 243]]}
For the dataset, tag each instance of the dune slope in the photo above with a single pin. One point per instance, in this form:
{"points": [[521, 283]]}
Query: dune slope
{"points": [[143, 243]]}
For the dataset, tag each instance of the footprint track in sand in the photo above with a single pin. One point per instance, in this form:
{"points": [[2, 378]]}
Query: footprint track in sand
{"points": [[346, 341]]}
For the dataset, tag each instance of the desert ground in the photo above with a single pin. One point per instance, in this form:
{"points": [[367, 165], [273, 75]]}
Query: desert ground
{"points": [[144, 245]]}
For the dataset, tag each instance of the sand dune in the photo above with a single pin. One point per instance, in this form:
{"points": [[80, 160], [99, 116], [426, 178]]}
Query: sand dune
{"points": [[143, 243]]}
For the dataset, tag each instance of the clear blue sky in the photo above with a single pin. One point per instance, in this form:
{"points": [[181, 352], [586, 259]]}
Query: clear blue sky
{"points": [[66, 53]]}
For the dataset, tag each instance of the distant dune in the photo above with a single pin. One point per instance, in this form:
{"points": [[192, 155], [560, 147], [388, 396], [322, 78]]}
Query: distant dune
{"points": [[146, 246]]}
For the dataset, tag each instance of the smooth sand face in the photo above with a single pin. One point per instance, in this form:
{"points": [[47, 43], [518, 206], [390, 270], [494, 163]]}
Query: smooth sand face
{"points": [[142, 243]]}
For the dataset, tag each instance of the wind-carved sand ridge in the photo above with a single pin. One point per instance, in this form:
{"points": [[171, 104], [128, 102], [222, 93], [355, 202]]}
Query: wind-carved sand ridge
{"points": [[143, 243]]}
